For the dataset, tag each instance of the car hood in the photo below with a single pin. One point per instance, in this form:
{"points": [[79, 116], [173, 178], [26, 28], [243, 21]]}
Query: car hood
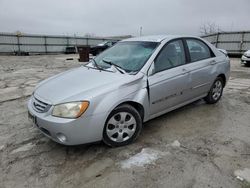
{"points": [[82, 81]]}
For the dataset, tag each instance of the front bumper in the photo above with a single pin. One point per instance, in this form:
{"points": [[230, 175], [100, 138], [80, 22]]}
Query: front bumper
{"points": [[245, 60], [73, 131]]}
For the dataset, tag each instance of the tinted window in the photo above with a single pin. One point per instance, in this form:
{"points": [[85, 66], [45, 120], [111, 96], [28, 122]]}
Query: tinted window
{"points": [[172, 55], [198, 50]]}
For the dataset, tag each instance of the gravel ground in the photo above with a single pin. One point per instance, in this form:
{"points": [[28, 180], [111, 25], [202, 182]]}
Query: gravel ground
{"points": [[196, 146]]}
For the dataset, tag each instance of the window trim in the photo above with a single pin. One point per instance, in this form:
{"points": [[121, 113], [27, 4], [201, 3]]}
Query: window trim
{"points": [[212, 55], [185, 53]]}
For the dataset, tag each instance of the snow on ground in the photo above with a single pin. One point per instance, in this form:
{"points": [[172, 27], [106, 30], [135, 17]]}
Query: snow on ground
{"points": [[145, 157], [243, 174], [176, 143]]}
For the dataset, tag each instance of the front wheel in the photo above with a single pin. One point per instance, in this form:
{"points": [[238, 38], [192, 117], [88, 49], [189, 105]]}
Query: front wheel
{"points": [[215, 92], [122, 127]]}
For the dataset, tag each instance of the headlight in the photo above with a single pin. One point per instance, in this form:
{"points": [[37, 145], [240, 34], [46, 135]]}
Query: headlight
{"points": [[245, 54], [70, 110]]}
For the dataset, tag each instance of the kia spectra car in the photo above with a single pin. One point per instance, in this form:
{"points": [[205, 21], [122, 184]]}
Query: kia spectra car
{"points": [[132, 82]]}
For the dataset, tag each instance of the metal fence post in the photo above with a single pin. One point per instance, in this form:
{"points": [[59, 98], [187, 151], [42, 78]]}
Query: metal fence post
{"points": [[217, 39], [67, 41], [18, 44], [242, 42], [45, 44]]}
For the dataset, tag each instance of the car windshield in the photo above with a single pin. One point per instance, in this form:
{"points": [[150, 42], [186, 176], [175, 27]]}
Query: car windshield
{"points": [[130, 56]]}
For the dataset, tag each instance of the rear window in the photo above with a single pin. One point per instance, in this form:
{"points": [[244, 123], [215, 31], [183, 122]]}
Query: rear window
{"points": [[198, 50]]}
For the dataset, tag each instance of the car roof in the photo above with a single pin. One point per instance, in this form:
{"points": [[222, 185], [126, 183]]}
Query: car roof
{"points": [[155, 38]]}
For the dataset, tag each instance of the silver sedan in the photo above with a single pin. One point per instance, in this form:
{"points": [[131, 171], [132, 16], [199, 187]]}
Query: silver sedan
{"points": [[132, 82]]}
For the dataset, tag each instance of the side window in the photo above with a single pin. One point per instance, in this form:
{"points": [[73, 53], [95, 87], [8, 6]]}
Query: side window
{"points": [[172, 55], [109, 44], [198, 50]]}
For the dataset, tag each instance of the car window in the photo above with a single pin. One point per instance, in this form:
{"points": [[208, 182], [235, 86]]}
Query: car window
{"points": [[172, 55], [109, 43], [198, 50]]}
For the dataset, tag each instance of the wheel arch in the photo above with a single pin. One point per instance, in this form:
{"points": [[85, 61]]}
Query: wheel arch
{"points": [[139, 107], [223, 78]]}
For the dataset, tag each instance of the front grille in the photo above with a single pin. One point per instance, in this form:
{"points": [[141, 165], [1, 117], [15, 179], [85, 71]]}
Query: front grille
{"points": [[39, 105]]}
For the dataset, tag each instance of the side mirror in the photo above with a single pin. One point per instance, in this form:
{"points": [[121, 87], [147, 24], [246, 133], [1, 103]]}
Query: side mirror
{"points": [[151, 70]]}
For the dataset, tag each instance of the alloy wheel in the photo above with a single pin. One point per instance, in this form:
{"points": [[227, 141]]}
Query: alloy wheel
{"points": [[121, 127], [217, 90]]}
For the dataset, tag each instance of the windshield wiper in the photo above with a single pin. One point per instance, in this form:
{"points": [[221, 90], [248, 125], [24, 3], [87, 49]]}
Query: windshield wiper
{"points": [[96, 65], [120, 69]]}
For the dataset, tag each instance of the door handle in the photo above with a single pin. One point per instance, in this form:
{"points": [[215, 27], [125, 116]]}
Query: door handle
{"points": [[213, 62], [185, 71]]}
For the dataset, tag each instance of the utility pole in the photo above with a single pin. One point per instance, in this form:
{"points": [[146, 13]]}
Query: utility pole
{"points": [[75, 39], [140, 31]]}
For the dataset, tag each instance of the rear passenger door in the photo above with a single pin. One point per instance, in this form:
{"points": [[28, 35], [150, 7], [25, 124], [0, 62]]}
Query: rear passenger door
{"points": [[201, 65]]}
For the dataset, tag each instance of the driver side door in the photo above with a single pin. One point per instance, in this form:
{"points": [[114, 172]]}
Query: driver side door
{"points": [[168, 85]]}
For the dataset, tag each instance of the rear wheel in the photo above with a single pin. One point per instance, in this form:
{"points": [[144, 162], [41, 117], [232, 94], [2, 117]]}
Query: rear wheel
{"points": [[122, 127], [215, 92]]}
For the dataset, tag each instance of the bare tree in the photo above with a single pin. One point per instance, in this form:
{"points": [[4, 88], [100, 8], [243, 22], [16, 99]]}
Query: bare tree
{"points": [[19, 33], [89, 35], [209, 28]]}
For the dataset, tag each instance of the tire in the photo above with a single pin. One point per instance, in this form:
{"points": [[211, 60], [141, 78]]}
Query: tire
{"points": [[215, 92], [122, 126]]}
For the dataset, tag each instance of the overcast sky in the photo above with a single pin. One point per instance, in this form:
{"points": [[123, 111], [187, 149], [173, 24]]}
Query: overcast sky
{"points": [[122, 17]]}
